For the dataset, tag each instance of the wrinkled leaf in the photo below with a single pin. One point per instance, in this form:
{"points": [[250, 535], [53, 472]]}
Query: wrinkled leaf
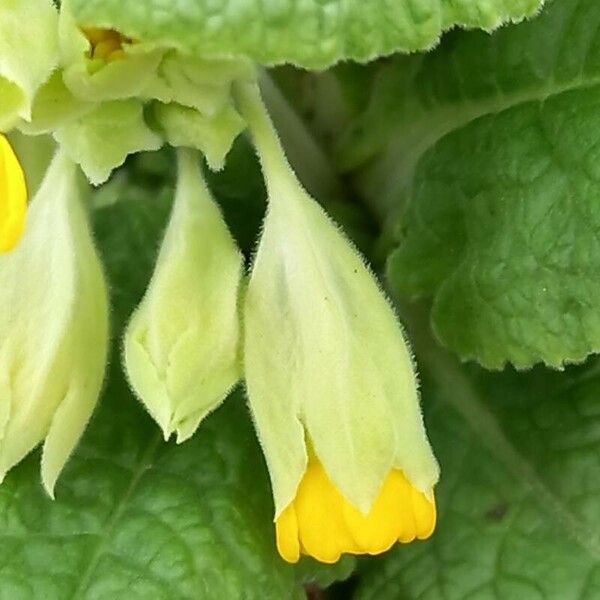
{"points": [[309, 34]]}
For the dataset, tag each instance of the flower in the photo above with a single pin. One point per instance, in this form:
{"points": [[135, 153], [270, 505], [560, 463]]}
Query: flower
{"points": [[53, 328], [13, 197], [330, 378], [181, 346]]}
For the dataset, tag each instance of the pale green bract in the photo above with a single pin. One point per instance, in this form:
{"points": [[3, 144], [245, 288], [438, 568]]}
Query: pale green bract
{"points": [[53, 328], [185, 127], [181, 346], [101, 139], [311, 33], [325, 360]]}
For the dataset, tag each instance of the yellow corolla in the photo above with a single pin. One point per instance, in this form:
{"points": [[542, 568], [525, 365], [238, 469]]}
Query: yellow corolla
{"points": [[13, 197], [321, 523]]}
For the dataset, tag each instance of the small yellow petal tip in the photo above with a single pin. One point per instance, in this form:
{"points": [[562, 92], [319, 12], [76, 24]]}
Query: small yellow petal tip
{"points": [[106, 45], [13, 197], [286, 528], [321, 523]]}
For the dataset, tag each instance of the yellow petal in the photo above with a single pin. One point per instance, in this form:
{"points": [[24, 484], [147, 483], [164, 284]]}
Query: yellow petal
{"points": [[408, 527], [286, 527], [13, 197], [106, 47], [378, 531], [322, 529], [425, 514], [95, 35]]}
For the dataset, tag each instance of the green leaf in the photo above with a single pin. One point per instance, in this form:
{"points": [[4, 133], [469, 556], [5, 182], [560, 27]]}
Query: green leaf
{"points": [[308, 34], [417, 100], [496, 157], [518, 499], [134, 517]]}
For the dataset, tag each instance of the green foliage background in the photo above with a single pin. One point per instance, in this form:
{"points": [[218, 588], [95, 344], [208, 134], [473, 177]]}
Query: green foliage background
{"points": [[469, 174]]}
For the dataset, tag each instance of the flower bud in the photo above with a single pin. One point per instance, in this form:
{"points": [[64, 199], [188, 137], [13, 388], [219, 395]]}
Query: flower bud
{"points": [[53, 328], [181, 346]]}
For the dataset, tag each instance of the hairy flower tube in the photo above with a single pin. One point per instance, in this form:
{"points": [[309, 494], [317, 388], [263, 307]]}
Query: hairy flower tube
{"points": [[53, 328], [181, 346], [330, 379], [13, 197]]}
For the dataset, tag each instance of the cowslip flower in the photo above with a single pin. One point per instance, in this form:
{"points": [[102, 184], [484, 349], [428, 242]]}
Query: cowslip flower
{"points": [[53, 327], [181, 346], [330, 380]]}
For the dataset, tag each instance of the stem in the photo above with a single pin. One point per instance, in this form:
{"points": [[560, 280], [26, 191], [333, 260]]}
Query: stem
{"points": [[266, 140], [311, 163]]}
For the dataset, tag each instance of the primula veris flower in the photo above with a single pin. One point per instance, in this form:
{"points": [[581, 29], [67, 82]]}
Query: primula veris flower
{"points": [[13, 197], [181, 347], [53, 328], [28, 55], [330, 379]]}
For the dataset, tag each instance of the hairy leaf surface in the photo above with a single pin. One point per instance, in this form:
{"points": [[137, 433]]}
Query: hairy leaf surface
{"points": [[308, 33]]}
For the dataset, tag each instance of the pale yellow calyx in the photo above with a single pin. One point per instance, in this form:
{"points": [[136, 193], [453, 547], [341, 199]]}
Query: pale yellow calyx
{"points": [[106, 45], [13, 197], [321, 523]]}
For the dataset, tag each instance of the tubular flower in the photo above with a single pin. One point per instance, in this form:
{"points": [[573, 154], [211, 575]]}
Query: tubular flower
{"points": [[53, 328], [13, 197], [330, 380], [320, 522], [181, 346]]}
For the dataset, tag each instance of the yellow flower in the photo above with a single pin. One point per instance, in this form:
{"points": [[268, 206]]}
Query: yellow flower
{"points": [[321, 523], [330, 379], [13, 197]]}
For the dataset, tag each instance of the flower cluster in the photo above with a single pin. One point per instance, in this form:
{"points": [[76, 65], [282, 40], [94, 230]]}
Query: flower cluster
{"points": [[330, 380]]}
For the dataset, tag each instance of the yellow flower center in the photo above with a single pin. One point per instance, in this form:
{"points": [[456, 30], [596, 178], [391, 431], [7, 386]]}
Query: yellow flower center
{"points": [[13, 197], [321, 523], [106, 45]]}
